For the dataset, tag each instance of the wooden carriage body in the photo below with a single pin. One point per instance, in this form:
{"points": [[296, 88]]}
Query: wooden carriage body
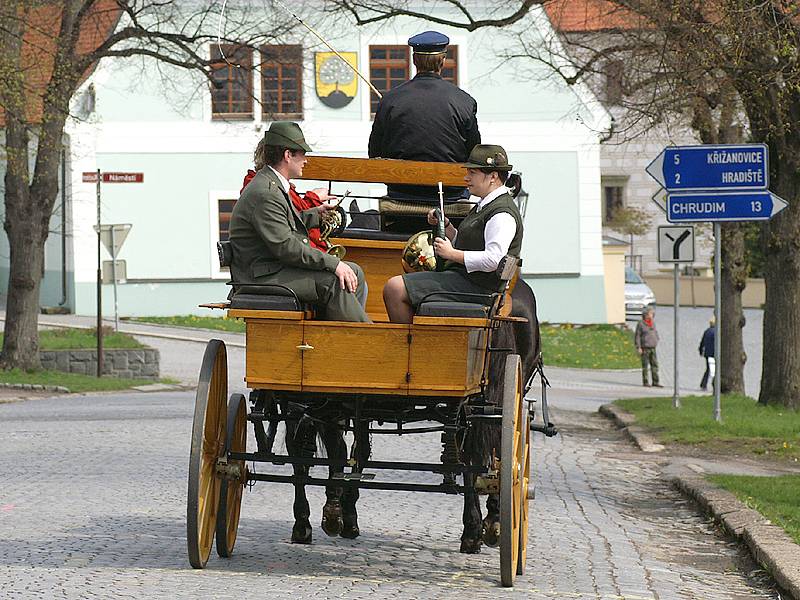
{"points": [[434, 369]]}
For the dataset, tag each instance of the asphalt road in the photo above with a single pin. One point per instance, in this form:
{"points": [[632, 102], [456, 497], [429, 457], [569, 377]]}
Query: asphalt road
{"points": [[93, 500]]}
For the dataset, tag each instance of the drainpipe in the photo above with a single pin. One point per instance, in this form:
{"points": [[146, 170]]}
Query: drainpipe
{"points": [[63, 228]]}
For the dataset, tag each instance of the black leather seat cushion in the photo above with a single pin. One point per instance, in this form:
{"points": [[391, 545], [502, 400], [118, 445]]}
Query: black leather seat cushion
{"points": [[255, 297], [453, 309]]}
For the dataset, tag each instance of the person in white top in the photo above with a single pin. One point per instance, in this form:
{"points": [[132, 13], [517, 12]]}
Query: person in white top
{"points": [[472, 253]]}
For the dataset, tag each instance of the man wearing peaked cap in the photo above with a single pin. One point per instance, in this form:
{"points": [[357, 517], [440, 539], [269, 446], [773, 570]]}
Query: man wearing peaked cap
{"points": [[426, 118], [270, 236]]}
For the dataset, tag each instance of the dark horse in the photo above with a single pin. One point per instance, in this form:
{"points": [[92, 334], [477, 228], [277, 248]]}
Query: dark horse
{"points": [[339, 516]]}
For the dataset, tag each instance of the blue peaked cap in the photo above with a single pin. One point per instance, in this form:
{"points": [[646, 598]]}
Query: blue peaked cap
{"points": [[429, 42]]}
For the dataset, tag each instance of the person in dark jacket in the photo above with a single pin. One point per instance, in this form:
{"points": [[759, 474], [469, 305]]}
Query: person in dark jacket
{"points": [[706, 350], [426, 118], [472, 253], [646, 340]]}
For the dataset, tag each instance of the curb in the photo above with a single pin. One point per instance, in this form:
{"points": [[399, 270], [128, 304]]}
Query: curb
{"points": [[35, 387], [771, 547], [627, 422]]}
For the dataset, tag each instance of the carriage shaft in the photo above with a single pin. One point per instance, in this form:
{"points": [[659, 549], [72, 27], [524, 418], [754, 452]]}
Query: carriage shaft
{"points": [[282, 459], [361, 484]]}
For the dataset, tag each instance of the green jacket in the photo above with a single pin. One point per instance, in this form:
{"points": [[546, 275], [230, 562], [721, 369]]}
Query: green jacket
{"points": [[268, 234]]}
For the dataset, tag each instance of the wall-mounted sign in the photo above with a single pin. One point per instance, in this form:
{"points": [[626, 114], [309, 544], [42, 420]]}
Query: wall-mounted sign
{"points": [[337, 83]]}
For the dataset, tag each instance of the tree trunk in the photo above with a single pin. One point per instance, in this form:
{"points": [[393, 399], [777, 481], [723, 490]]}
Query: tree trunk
{"points": [[21, 337], [780, 372], [733, 279]]}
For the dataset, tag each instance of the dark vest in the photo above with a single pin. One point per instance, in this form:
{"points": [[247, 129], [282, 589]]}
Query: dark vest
{"points": [[470, 237]]}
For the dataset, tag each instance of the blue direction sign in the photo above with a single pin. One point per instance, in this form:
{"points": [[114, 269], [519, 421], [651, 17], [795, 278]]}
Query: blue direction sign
{"points": [[742, 206], [712, 168]]}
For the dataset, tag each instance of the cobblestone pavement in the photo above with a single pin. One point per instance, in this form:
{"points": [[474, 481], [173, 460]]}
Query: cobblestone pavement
{"points": [[92, 505]]}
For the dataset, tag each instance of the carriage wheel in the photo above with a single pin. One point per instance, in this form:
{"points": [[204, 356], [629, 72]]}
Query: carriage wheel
{"points": [[208, 444], [525, 476], [230, 492], [511, 455]]}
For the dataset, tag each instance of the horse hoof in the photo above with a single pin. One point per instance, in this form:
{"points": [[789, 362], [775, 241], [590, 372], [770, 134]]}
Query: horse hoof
{"points": [[470, 546], [301, 533], [350, 527], [332, 518], [491, 532]]}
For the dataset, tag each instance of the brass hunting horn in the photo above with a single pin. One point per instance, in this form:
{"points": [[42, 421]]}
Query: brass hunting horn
{"points": [[332, 222], [418, 253]]}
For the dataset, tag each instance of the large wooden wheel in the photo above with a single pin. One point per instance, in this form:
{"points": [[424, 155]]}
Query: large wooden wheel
{"points": [[525, 477], [512, 453], [230, 491], [208, 444]]}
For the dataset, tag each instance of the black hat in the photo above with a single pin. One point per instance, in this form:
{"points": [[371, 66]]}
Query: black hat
{"points": [[488, 157], [429, 42]]}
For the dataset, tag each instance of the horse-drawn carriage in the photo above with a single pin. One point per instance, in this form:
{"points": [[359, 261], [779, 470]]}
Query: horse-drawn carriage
{"points": [[487, 354]]}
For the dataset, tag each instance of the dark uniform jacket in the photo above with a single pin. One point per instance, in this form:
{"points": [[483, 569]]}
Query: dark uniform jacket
{"points": [[268, 234], [426, 119], [471, 237], [707, 343]]}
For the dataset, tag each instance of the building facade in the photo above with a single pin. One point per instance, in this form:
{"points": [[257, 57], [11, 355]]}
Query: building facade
{"points": [[193, 142]]}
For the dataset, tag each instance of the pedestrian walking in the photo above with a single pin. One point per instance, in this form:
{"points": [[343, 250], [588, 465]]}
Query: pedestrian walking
{"points": [[646, 340], [706, 350]]}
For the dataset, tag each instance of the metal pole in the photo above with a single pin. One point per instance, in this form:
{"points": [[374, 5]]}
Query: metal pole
{"points": [[99, 289], [718, 318], [676, 400], [114, 277]]}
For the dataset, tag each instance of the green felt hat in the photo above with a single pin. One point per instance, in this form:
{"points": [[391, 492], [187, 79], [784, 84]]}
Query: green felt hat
{"points": [[286, 134], [488, 157]]}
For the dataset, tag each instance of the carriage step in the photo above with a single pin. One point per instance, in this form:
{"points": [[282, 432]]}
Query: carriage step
{"points": [[354, 476]]}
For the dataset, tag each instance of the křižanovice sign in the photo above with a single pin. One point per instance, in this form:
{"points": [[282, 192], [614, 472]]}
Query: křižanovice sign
{"points": [[716, 183]]}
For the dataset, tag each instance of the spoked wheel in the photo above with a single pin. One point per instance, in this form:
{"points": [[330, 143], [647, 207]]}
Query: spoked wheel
{"points": [[512, 453], [525, 476], [208, 444], [230, 490]]}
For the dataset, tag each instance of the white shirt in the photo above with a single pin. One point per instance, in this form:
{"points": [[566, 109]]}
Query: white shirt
{"points": [[497, 235], [282, 179]]}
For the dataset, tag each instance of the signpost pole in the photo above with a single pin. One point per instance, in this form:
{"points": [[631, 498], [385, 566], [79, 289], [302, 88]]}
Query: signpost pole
{"points": [[718, 318], [99, 288], [676, 400], [114, 277]]}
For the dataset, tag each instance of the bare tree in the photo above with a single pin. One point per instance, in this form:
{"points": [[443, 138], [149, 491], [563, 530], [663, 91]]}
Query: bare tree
{"points": [[69, 38]]}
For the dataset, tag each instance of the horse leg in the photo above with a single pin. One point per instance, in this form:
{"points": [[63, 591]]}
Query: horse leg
{"points": [[471, 536], [333, 439], [300, 443], [361, 452], [491, 524]]}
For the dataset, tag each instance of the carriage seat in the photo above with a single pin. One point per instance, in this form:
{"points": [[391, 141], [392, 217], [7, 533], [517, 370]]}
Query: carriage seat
{"points": [[266, 297], [506, 271], [256, 297]]}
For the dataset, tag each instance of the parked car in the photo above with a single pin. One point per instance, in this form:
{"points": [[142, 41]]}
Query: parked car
{"points": [[638, 294]]}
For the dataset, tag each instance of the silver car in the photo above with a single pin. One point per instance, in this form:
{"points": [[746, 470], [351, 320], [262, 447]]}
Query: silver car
{"points": [[637, 294]]}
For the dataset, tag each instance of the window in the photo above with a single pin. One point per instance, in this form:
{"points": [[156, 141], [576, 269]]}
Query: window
{"points": [[613, 197], [282, 81], [224, 210], [232, 81], [450, 69], [388, 68], [615, 81]]}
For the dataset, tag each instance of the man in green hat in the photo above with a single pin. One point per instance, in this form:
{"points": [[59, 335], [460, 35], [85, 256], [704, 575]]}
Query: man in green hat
{"points": [[472, 253], [270, 238]]}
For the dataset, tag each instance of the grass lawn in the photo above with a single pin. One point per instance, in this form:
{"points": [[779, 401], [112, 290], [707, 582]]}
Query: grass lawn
{"points": [[73, 381], [589, 347], [747, 427], [777, 498], [81, 339], [215, 323]]}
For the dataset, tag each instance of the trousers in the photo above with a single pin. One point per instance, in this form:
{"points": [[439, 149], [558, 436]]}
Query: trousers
{"points": [[649, 358]]}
